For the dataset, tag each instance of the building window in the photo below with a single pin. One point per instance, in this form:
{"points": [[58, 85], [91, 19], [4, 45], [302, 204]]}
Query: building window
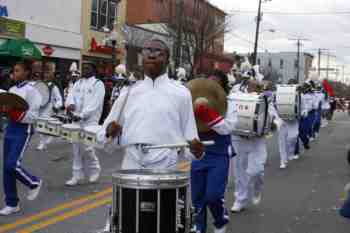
{"points": [[270, 63], [94, 14], [103, 13], [259, 62], [296, 64], [281, 64]]}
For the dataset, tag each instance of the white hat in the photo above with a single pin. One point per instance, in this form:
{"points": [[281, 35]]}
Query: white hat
{"points": [[73, 67], [120, 69], [245, 66], [181, 73]]}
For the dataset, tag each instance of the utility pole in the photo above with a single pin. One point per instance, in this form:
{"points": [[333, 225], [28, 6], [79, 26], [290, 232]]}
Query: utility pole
{"points": [[299, 44], [257, 31], [327, 71], [319, 60], [258, 19]]}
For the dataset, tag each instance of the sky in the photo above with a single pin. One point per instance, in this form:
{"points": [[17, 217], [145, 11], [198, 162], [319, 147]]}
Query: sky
{"points": [[326, 31]]}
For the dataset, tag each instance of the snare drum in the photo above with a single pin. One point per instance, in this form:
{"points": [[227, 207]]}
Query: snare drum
{"points": [[288, 101], [41, 125], [253, 117], [54, 127], [89, 136], [156, 201], [70, 132]]}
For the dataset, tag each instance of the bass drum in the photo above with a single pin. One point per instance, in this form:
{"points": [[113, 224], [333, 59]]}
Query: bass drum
{"points": [[288, 101], [213, 92], [253, 118], [44, 92]]}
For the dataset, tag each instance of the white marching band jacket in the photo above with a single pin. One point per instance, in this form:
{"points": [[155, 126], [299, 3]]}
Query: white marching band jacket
{"points": [[87, 95]]}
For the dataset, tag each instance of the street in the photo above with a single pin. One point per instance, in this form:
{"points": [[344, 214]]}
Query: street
{"points": [[304, 198]]}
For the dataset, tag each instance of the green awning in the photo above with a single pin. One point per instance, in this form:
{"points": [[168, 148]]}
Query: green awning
{"points": [[20, 48]]}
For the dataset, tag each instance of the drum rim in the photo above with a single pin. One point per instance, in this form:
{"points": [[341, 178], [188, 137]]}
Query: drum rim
{"points": [[150, 178], [64, 126]]}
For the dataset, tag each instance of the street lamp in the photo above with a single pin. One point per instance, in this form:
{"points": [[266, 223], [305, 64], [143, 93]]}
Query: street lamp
{"points": [[258, 19], [112, 38]]}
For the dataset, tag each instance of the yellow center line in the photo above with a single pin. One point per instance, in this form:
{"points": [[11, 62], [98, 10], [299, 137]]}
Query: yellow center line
{"points": [[66, 215], [54, 210]]}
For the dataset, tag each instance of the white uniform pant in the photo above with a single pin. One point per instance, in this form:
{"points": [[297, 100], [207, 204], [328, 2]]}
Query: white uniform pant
{"points": [[249, 166], [287, 139], [84, 155], [135, 158], [45, 140]]}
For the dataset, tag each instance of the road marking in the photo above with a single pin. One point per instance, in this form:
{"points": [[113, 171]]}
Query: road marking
{"points": [[54, 210], [66, 215]]}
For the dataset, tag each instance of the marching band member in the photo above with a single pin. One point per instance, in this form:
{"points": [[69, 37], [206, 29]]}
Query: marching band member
{"points": [[84, 104], [17, 136], [153, 111], [209, 175], [249, 164], [288, 139], [120, 80], [319, 96], [304, 122], [53, 106]]}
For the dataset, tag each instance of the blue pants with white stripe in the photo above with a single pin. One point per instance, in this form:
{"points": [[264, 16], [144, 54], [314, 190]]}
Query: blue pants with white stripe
{"points": [[304, 127], [17, 137], [208, 185]]}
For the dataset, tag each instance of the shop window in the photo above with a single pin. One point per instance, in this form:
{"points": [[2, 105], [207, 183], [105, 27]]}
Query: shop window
{"points": [[103, 13], [259, 61]]}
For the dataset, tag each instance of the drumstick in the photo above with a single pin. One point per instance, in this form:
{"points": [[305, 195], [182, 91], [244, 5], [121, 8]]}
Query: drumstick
{"points": [[178, 145], [110, 139]]}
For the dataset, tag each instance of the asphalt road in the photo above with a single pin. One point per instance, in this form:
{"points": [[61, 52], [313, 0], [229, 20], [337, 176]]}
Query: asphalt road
{"points": [[304, 198]]}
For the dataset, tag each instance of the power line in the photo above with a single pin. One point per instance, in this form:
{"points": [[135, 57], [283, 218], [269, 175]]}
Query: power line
{"points": [[293, 13]]}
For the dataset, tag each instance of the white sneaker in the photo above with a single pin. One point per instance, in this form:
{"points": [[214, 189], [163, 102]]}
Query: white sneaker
{"points": [[221, 230], [74, 181], [94, 177], [256, 199], [237, 207], [316, 135], [41, 147], [283, 166], [312, 139], [295, 157], [33, 193], [8, 210]]}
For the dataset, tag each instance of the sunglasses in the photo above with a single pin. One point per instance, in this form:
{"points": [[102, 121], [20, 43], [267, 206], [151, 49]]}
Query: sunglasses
{"points": [[152, 51]]}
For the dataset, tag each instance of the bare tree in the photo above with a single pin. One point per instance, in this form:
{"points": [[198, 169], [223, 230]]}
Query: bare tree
{"points": [[198, 28]]}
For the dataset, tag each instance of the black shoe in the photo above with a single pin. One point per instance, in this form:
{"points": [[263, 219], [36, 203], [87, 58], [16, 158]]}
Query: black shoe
{"points": [[307, 146]]}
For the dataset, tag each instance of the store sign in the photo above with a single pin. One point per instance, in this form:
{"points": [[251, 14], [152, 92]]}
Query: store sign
{"points": [[3, 11], [12, 28], [48, 51], [96, 48]]}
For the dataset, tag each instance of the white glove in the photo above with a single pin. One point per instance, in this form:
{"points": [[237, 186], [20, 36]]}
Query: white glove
{"points": [[304, 113], [278, 124]]}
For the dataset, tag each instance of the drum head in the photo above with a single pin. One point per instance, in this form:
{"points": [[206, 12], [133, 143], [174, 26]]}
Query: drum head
{"points": [[151, 179], [93, 129], [10, 100], [44, 92]]}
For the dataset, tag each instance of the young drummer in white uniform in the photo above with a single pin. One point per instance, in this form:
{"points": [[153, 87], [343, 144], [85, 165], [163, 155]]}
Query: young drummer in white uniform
{"points": [[84, 104], [249, 164], [288, 138], [17, 137], [54, 105], [154, 111]]}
